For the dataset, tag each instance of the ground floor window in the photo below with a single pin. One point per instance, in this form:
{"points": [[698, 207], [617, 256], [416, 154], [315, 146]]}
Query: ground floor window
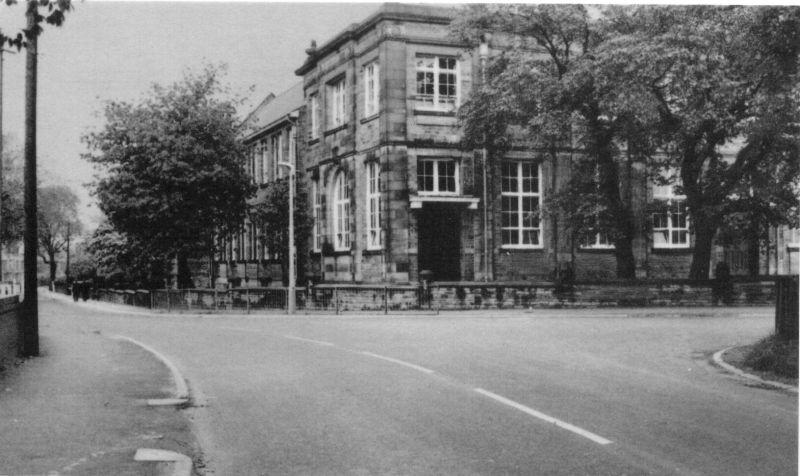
{"points": [[671, 226], [373, 206], [520, 205], [341, 213]]}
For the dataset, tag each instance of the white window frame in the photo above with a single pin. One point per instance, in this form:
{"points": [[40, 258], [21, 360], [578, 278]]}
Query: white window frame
{"points": [[666, 193], [520, 195], [315, 116], [291, 153], [341, 213], [337, 103], [794, 238], [436, 189], [316, 201], [371, 88], [373, 206], [600, 241], [436, 103]]}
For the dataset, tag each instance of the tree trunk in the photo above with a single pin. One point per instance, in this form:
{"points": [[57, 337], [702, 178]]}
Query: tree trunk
{"points": [[184, 273], [623, 252], [53, 266], [704, 230], [753, 251]]}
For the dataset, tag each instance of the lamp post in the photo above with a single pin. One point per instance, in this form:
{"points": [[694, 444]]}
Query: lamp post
{"points": [[483, 54], [292, 252]]}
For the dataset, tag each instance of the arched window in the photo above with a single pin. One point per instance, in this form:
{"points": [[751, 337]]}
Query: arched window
{"points": [[341, 213]]}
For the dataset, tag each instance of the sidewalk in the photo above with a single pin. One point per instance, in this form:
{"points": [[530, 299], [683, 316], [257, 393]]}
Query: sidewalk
{"points": [[80, 407]]}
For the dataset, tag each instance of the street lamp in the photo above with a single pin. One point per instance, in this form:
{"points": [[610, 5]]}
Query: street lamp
{"points": [[292, 252], [483, 54]]}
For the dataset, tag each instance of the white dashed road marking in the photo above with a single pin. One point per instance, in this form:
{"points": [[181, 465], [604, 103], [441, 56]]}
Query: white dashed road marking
{"points": [[310, 341], [399, 362], [542, 416]]}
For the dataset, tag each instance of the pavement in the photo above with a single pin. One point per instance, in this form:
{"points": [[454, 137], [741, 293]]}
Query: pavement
{"points": [[81, 407]]}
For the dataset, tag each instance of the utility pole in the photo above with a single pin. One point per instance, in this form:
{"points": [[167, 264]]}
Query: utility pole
{"points": [[29, 318]]}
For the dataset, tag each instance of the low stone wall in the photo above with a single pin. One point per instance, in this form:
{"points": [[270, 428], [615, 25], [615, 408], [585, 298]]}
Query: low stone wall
{"points": [[523, 295], [9, 334], [456, 295]]}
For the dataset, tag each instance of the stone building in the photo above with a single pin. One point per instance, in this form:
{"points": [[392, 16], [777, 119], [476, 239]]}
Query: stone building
{"points": [[394, 192], [271, 135]]}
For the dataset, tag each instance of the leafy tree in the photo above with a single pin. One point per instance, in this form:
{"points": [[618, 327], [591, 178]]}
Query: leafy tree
{"points": [[272, 212], [12, 220], [122, 260], [58, 222], [714, 76], [548, 80], [173, 169]]}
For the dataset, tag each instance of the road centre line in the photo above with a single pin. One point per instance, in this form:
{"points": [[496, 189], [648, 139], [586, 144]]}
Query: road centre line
{"points": [[310, 341], [542, 416], [396, 361]]}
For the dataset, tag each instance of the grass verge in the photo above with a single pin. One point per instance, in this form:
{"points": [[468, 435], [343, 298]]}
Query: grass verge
{"points": [[773, 356]]}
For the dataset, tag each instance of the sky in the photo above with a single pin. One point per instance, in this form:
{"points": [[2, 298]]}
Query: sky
{"points": [[117, 50]]}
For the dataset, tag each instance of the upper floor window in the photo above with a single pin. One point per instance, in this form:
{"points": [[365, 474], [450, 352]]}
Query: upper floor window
{"points": [[437, 82], [314, 115], [291, 152], [264, 159], [276, 145], [520, 205], [341, 213], [371, 89], [337, 107], [670, 224], [437, 176], [373, 206]]}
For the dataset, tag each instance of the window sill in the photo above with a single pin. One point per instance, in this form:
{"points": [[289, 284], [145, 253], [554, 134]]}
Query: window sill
{"points": [[372, 251], [370, 118], [675, 250], [521, 248], [335, 130], [313, 141], [598, 249], [434, 112]]}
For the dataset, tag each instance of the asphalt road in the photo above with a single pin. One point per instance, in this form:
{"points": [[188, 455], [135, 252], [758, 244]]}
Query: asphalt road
{"points": [[547, 392]]}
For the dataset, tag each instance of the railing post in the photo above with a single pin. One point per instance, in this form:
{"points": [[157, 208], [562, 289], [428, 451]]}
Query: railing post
{"points": [[386, 299], [188, 300], [247, 300], [152, 301], [216, 303], [169, 302], [336, 299]]}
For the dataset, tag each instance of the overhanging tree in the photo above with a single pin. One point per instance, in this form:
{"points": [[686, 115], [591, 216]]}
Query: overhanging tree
{"points": [[718, 76], [550, 83], [172, 172]]}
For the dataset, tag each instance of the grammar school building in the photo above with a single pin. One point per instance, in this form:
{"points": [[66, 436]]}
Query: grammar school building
{"points": [[372, 129]]}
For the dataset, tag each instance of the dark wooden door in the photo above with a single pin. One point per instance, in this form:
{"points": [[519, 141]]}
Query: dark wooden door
{"points": [[439, 247]]}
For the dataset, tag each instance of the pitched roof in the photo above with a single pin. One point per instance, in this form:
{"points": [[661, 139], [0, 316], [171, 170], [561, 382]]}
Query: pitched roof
{"points": [[273, 109]]}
